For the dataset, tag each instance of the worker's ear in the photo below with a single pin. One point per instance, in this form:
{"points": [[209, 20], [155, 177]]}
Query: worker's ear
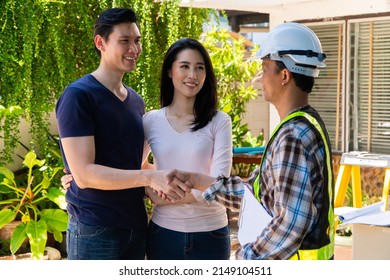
{"points": [[286, 76]]}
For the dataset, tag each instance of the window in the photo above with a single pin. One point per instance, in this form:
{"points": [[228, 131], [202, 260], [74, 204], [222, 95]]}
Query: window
{"points": [[327, 96], [369, 87], [353, 93]]}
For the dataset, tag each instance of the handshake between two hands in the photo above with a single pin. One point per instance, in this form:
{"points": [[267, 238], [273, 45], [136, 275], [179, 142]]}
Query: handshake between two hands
{"points": [[172, 185]]}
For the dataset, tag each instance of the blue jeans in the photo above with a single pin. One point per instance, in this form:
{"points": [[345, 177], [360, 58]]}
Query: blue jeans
{"points": [[88, 242], [165, 244]]}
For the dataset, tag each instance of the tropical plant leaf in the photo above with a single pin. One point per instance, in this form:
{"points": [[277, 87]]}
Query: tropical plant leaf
{"points": [[58, 236], [31, 160], [6, 216], [45, 181], [55, 170], [18, 237], [7, 173], [37, 234], [57, 196], [56, 219]]}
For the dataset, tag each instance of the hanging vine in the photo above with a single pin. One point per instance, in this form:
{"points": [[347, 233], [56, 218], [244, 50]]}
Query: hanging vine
{"points": [[46, 44], [159, 25]]}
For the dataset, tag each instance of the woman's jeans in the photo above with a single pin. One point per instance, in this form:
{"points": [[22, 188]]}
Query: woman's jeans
{"points": [[165, 244], [86, 242]]}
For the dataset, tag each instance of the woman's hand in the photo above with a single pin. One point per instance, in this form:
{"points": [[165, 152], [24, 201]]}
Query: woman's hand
{"points": [[159, 198]]}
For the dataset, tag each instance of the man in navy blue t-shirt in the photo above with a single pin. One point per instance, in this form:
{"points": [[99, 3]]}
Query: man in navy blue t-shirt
{"points": [[102, 138]]}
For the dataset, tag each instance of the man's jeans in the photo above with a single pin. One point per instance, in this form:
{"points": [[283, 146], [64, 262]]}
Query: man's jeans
{"points": [[86, 242]]}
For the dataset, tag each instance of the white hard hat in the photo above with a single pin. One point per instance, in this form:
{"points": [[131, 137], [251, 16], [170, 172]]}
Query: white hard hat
{"points": [[297, 46]]}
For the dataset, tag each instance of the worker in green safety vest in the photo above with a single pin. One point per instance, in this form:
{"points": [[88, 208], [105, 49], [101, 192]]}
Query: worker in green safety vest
{"points": [[294, 181]]}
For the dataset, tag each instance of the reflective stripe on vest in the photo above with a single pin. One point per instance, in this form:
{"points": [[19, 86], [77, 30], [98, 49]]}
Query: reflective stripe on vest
{"points": [[327, 251]]}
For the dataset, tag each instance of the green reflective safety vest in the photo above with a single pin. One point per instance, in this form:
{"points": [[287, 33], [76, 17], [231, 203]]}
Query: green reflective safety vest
{"points": [[326, 252]]}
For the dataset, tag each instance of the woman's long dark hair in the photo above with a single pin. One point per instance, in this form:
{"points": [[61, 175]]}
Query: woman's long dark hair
{"points": [[206, 100]]}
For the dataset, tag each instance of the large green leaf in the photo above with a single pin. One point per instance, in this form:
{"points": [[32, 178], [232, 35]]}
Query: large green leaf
{"points": [[18, 237], [4, 188], [30, 160], [7, 173], [45, 181], [56, 219], [55, 170], [57, 196], [37, 234], [6, 216], [58, 236]]}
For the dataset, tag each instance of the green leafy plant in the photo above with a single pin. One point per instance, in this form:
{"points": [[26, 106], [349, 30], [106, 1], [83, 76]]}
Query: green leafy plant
{"points": [[160, 25], [235, 73], [30, 198]]}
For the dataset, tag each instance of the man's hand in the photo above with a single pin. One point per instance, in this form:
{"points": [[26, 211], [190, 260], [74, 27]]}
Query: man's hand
{"points": [[181, 178], [185, 181], [168, 185]]}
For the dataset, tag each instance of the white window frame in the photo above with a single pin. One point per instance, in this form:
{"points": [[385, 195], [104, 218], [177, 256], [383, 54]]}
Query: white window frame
{"points": [[338, 139], [346, 141], [353, 140]]}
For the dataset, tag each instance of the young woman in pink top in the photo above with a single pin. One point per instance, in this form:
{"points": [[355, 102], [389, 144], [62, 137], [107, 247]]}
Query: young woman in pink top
{"points": [[188, 133]]}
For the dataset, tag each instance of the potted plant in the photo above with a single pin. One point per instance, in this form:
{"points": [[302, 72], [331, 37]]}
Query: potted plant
{"points": [[32, 200]]}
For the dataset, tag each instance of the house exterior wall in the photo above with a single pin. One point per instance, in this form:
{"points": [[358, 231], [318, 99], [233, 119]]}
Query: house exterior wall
{"points": [[257, 114]]}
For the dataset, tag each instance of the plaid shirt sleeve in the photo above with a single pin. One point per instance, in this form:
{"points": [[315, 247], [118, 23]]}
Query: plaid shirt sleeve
{"points": [[228, 191]]}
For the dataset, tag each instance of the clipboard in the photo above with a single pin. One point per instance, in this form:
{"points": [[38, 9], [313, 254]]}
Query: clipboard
{"points": [[252, 220]]}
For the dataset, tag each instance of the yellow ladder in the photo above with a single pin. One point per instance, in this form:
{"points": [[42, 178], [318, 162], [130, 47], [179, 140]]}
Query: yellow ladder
{"points": [[350, 166]]}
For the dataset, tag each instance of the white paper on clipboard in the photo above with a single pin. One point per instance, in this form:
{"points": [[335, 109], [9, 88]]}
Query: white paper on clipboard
{"points": [[253, 218]]}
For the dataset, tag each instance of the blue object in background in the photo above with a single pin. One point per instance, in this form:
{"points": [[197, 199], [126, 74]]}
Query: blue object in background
{"points": [[249, 150]]}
